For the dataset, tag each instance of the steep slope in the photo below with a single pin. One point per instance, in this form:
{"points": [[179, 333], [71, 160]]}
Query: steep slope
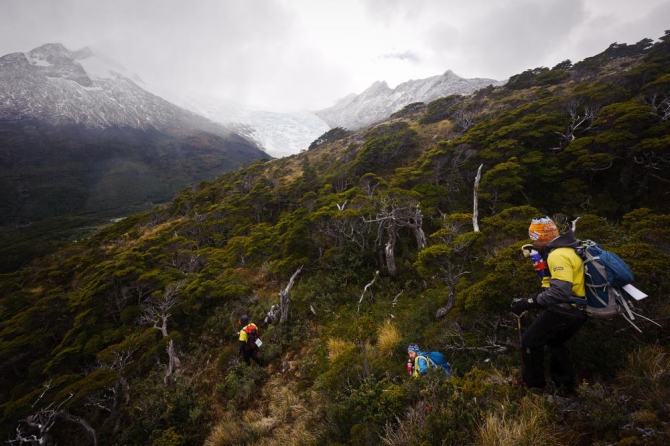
{"points": [[366, 244], [379, 101]]}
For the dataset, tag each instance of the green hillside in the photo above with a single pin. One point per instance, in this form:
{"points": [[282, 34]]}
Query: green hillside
{"points": [[129, 337], [66, 179]]}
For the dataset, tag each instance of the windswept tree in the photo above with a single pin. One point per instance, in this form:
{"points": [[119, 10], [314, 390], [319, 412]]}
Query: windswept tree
{"points": [[450, 255], [156, 311], [36, 428], [396, 209], [501, 183]]}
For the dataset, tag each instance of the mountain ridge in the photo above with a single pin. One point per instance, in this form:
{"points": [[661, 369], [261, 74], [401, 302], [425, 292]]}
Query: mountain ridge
{"points": [[379, 101]]}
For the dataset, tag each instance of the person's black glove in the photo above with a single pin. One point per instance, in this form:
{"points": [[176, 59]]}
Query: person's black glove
{"points": [[521, 305]]}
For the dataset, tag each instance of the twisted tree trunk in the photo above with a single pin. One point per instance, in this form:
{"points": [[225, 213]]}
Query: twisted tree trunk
{"points": [[284, 297]]}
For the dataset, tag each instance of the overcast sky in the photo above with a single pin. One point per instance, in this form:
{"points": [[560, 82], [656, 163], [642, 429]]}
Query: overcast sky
{"points": [[306, 54]]}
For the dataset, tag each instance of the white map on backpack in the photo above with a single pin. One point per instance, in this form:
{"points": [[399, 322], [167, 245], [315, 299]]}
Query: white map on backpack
{"points": [[634, 292]]}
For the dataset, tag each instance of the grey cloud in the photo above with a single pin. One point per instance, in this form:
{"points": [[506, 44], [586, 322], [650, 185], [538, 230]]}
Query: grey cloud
{"points": [[520, 35], [442, 38], [386, 11], [258, 50], [408, 56]]}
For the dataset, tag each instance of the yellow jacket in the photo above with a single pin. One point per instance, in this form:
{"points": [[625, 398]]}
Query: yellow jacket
{"points": [[567, 273]]}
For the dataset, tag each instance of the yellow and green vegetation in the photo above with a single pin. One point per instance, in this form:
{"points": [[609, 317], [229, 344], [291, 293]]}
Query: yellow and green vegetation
{"points": [[129, 337]]}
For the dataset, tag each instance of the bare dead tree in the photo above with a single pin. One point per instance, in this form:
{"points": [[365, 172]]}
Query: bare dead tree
{"points": [[157, 312], [581, 119], [369, 184], [340, 184], [389, 249], [186, 261], [284, 297], [475, 205], [118, 360], [573, 224], [488, 334], [271, 315], [341, 227], [366, 288], [660, 104], [464, 118], [172, 365], [393, 213], [35, 428]]}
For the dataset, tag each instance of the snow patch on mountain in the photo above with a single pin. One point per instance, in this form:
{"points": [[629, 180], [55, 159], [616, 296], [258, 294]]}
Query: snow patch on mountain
{"points": [[279, 134]]}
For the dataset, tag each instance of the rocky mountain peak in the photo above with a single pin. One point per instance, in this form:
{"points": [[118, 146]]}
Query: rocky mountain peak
{"points": [[51, 52], [379, 101], [57, 86]]}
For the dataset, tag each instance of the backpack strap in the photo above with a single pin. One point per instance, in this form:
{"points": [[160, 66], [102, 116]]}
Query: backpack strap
{"points": [[429, 361]]}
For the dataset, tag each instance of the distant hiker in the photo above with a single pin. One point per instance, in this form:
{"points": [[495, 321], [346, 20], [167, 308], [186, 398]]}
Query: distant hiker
{"points": [[249, 340], [420, 362], [271, 315], [563, 279]]}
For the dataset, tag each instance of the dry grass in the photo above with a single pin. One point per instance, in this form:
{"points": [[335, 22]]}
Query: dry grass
{"points": [[647, 377], [228, 431], [285, 404], [283, 418], [530, 427], [336, 347], [403, 433], [297, 434], [388, 337], [290, 413]]}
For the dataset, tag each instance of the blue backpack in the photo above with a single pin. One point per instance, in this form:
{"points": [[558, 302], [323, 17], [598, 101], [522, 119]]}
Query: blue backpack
{"points": [[437, 359], [605, 273]]}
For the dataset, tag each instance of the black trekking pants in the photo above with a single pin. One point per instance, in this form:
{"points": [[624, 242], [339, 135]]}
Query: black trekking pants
{"points": [[552, 329], [251, 353]]}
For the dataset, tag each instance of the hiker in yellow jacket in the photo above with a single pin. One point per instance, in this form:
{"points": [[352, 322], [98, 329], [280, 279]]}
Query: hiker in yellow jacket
{"points": [[248, 340], [561, 318]]}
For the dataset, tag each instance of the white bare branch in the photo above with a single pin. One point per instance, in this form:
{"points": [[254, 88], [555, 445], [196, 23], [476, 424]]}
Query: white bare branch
{"points": [[284, 297], [475, 207], [573, 226], [365, 289], [156, 311]]}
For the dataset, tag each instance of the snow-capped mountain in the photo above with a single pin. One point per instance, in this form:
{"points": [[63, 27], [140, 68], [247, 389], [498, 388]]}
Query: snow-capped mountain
{"points": [[279, 134], [59, 87], [380, 101], [77, 134]]}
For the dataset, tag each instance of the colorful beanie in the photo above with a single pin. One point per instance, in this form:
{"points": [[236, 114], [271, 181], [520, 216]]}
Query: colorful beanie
{"points": [[413, 348], [542, 229]]}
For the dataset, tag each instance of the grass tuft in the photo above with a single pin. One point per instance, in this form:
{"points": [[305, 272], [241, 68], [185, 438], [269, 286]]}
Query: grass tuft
{"points": [[387, 337]]}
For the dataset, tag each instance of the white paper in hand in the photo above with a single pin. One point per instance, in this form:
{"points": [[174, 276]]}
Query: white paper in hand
{"points": [[259, 342]]}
